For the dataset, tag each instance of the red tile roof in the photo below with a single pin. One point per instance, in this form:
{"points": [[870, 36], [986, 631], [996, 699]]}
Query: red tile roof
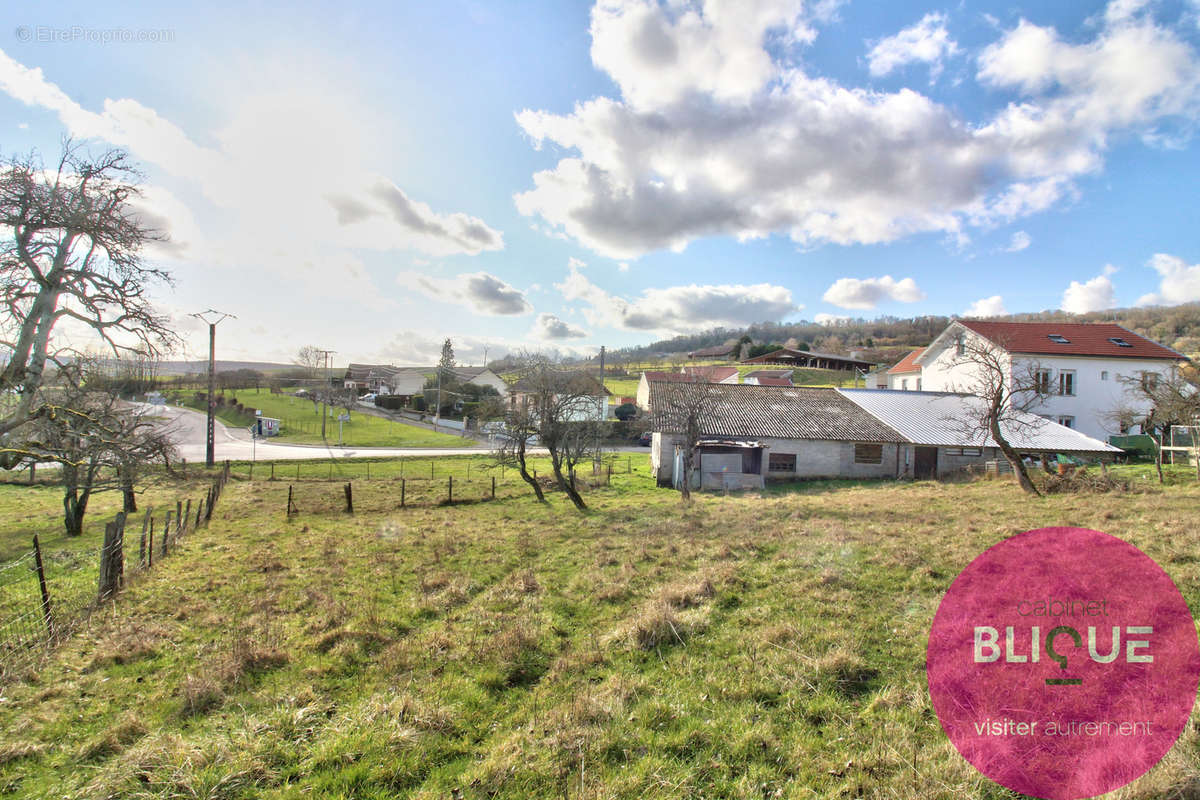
{"points": [[906, 364], [1083, 339]]}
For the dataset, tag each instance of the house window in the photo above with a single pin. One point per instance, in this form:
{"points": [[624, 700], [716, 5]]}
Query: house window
{"points": [[1041, 381], [1066, 382], [964, 451], [868, 454], [1058, 338], [1066, 422], [1149, 381], [904, 384], [781, 462], [1119, 342], [961, 344], [1103, 374]]}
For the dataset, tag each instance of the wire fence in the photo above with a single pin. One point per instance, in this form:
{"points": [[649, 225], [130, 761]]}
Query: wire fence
{"points": [[45, 594]]}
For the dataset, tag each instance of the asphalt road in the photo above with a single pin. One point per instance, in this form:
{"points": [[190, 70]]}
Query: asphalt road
{"points": [[187, 429]]}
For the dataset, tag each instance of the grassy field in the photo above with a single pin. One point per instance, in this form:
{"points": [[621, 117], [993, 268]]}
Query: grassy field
{"points": [[627, 387], [300, 424], [759, 645]]}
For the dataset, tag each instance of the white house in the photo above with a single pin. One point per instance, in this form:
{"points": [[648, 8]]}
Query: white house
{"points": [[906, 375], [1081, 369], [585, 397]]}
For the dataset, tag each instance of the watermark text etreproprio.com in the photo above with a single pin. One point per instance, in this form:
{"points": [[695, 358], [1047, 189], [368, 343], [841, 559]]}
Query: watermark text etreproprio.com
{"points": [[49, 34]]}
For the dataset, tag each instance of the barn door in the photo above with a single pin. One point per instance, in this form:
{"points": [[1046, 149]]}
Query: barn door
{"points": [[925, 463]]}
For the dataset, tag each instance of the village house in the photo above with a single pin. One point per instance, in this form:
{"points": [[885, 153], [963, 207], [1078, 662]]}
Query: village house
{"points": [[906, 375], [1081, 371]]}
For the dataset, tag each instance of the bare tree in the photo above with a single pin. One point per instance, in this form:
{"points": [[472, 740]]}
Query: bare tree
{"points": [[565, 408], [99, 443], [75, 252], [1009, 393], [512, 443], [683, 408], [312, 358], [1166, 400]]}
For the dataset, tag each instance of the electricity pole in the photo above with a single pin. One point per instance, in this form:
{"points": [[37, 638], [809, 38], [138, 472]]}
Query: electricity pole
{"points": [[325, 392], [217, 318]]}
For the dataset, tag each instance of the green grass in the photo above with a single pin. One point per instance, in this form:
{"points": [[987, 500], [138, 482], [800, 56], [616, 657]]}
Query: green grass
{"points": [[627, 387], [300, 424], [747, 646]]}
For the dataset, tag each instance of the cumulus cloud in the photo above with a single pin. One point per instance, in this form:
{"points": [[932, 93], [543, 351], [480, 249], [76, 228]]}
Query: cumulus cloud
{"points": [[548, 327], [1180, 281], [1020, 240], [481, 291], [928, 42], [869, 292], [713, 135], [987, 307], [678, 309], [1096, 294], [286, 167], [414, 348]]}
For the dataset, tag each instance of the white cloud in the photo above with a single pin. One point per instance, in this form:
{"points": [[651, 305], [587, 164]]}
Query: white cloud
{"points": [[1096, 294], [414, 348], [481, 291], [758, 147], [1180, 281], [678, 309], [928, 41], [829, 319], [286, 168], [548, 327], [869, 292], [623, 266], [1020, 241], [987, 307]]}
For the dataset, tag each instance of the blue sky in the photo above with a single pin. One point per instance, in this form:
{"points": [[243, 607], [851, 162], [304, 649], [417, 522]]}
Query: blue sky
{"points": [[372, 178]]}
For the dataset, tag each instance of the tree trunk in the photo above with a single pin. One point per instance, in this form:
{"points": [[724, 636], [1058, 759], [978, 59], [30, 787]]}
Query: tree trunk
{"points": [[685, 487], [1014, 459], [74, 509], [1158, 458], [564, 484], [129, 499], [532, 481]]}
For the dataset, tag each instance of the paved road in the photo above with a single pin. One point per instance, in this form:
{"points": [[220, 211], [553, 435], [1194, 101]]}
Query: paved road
{"points": [[187, 431]]}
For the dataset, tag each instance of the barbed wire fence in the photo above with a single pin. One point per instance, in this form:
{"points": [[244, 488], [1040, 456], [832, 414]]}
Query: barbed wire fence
{"points": [[45, 595]]}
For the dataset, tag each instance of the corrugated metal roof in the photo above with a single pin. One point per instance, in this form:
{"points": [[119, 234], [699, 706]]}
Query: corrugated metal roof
{"points": [[745, 410], [930, 418]]}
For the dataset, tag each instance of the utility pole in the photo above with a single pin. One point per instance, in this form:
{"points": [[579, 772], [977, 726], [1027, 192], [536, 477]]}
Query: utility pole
{"points": [[596, 460], [325, 392], [437, 412], [217, 317]]}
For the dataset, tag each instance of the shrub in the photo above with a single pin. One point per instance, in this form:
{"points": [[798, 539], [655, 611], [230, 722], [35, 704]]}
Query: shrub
{"points": [[625, 412]]}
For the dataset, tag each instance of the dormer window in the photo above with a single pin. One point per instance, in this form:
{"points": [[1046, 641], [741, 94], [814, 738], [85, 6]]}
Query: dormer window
{"points": [[1058, 338], [1119, 342]]}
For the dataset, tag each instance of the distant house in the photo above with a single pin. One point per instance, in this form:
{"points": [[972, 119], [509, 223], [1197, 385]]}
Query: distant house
{"points": [[720, 351], [752, 434], [1080, 369], [803, 358], [707, 374], [768, 377], [906, 374], [592, 397], [410, 381]]}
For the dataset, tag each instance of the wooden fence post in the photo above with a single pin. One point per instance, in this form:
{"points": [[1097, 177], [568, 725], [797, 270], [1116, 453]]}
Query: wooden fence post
{"points": [[37, 560], [272, 470], [291, 506], [187, 517], [402, 492], [178, 517], [110, 560], [199, 514], [142, 547], [450, 489], [150, 546], [166, 533], [349, 499], [493, 487], [431, 469]]}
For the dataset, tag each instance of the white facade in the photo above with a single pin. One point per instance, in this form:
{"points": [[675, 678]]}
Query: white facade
{"points": [[905, 381], [1083, 390]]}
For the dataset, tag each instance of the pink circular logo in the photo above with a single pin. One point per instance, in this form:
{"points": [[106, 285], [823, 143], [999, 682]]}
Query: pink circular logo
{"points": [[1063, 663]]}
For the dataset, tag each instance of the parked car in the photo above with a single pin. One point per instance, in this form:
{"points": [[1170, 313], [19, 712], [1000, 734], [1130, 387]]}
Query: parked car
{"points": [[646, 439], [369, 397]]}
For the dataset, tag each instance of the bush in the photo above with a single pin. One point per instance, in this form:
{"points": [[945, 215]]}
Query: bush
{"points": [[625, 412], [389, 402]]}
